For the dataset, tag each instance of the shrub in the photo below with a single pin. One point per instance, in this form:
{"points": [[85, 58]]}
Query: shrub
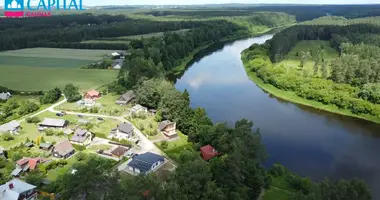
{"points": [[33, 120], [7, 137], [164, 144], [80, 156], [79, 147], [101, 135], [125, 142], [49, 132]]}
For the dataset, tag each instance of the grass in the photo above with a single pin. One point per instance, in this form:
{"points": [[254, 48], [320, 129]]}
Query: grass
{"points": [[274, 193], [106, 41], [148, 125], [77, 54], [9, 61], [341, 21], [292, 97], [27, 78], [294, 56], [54, 173], [99, 147], [177, 146]]}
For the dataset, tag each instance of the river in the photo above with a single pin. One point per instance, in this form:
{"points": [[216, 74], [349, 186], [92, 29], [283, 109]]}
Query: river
{"points": [[309, 142]]}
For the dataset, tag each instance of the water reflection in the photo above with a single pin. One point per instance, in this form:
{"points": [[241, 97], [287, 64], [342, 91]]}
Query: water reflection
{"points": [[308, 141]]}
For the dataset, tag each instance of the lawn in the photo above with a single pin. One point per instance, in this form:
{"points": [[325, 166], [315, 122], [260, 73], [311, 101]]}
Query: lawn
{"points": [[54, 173], [176, 147], [106, 41], [9, 61], [146, 124], [99, 147], [294, 56], [27, 78]]}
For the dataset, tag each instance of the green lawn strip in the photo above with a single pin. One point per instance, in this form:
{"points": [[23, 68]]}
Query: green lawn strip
{"points": [[27, 78], [274, 193], [292, 97], [99, 147], [106, 41], [9, 61], [176, 147]]}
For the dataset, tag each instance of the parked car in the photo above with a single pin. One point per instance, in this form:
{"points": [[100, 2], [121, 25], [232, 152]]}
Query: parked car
{"points": [[137, 141], [134, 155], [100, 119], [59, 114], [80, 115]]}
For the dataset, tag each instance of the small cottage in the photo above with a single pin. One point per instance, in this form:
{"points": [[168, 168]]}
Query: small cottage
{"points": [[208, 152], [168, 128], [123, 131], [11, 127], [81, 137], [52, 123], [120, 152], [138, 108], [63, 149], [92, 94], [126, 98]]}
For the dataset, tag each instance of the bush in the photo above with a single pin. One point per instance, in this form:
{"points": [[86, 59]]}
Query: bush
{"points": [[79, 147], [27, 107], [80, 156], [101, 135], [49, 132], [33, 120], [164, 144], [7, 137]]}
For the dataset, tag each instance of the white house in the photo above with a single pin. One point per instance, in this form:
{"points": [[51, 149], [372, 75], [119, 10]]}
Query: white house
{"points": [[5, 96], [17, 189], [145, 163], [123, 131], [138, 108], [11, 127]]}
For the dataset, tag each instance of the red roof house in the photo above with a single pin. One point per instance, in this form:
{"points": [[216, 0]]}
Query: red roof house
{"points": [[208, 152], [92, 94]]}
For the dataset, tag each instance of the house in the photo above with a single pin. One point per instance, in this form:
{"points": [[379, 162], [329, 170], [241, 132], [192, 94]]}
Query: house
{"points": [[119, 152], [145, 163], [126, 98], [138, 108], [5, 96], [63, 149], [123, 131], [92, 94], [52, 123], [18, 190], [11, 127], [2, 153], [118, 64], [81, 137], [115, 55], [45, 146], [168, 128], [208, 152], [26, 164]]}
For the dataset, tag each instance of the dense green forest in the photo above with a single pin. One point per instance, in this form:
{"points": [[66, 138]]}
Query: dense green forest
{"points": [[302, 13], [348, 82]]}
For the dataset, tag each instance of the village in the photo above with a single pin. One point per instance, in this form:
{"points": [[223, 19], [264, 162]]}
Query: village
{"points": [[119, 130]]}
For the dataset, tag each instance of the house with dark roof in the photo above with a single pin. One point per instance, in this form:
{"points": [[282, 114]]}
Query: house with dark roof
{"points": [[81, 137], [17, 190], [168, 128], [208, 152], [145, 163], [63, 149], [45, 146], [5, 96], [126, 98], [52, 123], [123, 131], [11, 127]]}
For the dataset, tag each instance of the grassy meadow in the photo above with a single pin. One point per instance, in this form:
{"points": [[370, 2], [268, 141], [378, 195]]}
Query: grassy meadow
{"points": [[294, 56]]}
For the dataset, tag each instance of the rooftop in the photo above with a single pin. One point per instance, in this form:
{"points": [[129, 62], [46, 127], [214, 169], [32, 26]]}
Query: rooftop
{"points": [[164, 124], [64, 147], [53, 122], [119, 151], [208, 152], [12, 189], [9, 126], [93, 93], [145, 161], [4, 95], [127, 96], [125, 127]]}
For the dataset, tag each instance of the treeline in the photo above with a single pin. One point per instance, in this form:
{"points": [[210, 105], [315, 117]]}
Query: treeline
{"points": [[69, 30], [341, 95], [154, 57], [302, 13], [282, 43]]}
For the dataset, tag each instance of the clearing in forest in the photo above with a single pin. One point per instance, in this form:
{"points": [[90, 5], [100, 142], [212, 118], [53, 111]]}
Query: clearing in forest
{"points": [[311, 48]]}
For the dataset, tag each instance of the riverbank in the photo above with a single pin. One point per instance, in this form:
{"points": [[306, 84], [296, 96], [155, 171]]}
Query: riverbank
{"points": [[182, 67], [293, 98]]}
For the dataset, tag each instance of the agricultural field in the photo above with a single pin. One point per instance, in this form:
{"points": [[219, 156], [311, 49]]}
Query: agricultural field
{"points": [[341, 21], [41, 69], [106, 41], [149, 35], [294, 56]]}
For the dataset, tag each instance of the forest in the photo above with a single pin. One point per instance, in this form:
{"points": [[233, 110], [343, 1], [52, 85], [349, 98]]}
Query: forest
{"points": [[349, 82], [302, 13]]}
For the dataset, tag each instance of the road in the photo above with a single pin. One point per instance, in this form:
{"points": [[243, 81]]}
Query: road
{"points": [[46, 109]]}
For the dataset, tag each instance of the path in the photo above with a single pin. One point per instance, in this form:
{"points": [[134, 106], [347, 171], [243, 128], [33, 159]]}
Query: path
{"points": [[46, 109]]}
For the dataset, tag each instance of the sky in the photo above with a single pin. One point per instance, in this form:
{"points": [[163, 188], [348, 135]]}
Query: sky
{"points": [[190, 2]]}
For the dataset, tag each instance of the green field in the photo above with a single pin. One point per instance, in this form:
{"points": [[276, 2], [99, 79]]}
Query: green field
{"points": [[274, 193], [26, 78], [149, 35], [294, 56], [42, 69], [341, 21], [106, 41], [76, 54]]}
